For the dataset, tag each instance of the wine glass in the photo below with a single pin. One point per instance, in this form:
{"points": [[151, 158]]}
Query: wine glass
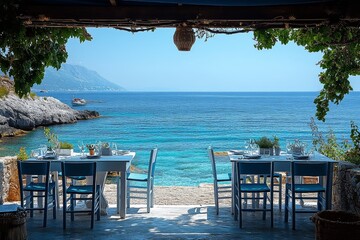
{"points": [[246, 146], [81, 146], [34, 153], [114, 148]]}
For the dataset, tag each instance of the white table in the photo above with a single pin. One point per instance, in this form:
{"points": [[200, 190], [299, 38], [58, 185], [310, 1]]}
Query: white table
{"points": [[282, 163], [116, 163]]}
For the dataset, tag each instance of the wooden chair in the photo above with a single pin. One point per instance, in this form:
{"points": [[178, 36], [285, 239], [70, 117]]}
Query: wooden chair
{"points": [[138, 182], [219, 180], [257, 168], [36, 188], [73, 190], [300, 169]]}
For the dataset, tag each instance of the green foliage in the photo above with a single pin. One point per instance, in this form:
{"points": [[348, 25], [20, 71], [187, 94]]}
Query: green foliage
{"points": [[276, 142], [66, 145], [25, 52], [264, 142], [22, 155], [330, 147], [32, 95], [3, 91], [52, 139], [340, 46]]}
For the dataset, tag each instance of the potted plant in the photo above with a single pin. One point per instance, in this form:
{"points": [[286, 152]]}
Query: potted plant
{"points": [[91, 148], [53, 142], [265, 145], [297, 147], [105, 149], [276, 144], [66, 149]]}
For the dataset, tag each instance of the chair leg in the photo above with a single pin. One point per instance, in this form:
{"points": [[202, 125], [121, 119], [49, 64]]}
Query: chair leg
{"points": [[152, 194], [240, 209], [72, 206], [55, 203], [92, 211], [64, 210], [45, 208], [216, 198], [264, 205], [286, 204], [148, 197], [293, 202], [128, 195], [280, 192], [32, 204]]}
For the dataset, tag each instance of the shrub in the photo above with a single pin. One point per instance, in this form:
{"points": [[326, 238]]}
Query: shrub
{"points": [[276, 142], [66, 145], [22, 155], [3, 91], [331, 148], [32, 95], [265, 142]]}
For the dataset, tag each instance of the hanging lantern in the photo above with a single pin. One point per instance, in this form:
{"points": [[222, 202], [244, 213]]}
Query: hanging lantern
{"points": [[184, 38]]}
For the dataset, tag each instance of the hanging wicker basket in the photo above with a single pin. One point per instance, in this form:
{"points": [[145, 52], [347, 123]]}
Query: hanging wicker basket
{"points": [[184, 38], [331, 225]]}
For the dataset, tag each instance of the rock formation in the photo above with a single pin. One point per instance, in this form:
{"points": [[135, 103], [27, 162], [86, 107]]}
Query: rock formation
{"points": [[25, 114]]}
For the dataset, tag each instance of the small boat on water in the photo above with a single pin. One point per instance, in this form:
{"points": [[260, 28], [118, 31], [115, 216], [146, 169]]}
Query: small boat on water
{"points": [[78, 102]]}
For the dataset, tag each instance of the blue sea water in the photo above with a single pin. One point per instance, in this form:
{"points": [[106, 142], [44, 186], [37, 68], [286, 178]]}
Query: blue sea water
{"points": [[183, 125]]}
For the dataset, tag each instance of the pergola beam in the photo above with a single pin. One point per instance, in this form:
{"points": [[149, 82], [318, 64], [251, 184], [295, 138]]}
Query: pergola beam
{"points": [[195, 16]]}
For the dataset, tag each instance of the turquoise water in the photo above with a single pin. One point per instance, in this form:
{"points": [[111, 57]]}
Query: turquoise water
{"points": [[183, 125]]}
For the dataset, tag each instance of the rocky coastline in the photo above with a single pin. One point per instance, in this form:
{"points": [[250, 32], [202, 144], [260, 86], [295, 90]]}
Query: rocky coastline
{"points": [[19, 115]]}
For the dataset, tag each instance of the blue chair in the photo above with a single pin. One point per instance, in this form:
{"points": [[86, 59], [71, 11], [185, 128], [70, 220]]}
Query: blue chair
{"points": [[138, 181], [219, 181], [241, 190], [301, 169], [37, 189], [73, 190]]}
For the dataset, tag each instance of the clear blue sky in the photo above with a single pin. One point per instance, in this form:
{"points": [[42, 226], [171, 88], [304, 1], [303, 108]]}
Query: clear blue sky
{"points": [[149, 61]]}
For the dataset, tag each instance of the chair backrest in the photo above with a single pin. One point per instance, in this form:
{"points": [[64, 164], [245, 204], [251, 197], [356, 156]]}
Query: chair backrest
{"points": [[255, 167], [34, 167], [212, 159], [71, 168], [152, 162], [309, 168]]}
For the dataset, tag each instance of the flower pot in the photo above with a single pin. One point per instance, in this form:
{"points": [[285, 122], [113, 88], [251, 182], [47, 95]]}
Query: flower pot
{"points": [[277, 151], [106, 151], [92, 152], [65, 152], [266, 151]]}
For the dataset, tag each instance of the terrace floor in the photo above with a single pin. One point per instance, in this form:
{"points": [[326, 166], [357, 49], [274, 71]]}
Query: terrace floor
{"points": [[172, 222]]}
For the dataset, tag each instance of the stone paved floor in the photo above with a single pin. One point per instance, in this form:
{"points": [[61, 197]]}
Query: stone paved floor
{"points": [[172, 222]]}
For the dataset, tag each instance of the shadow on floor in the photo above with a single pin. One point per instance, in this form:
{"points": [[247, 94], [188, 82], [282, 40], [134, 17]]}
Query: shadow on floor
{"points": [[172, 222]]}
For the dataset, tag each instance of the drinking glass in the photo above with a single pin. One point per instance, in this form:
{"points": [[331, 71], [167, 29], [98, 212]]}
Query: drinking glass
{"points": [[81, 146], [114, 148], [34, 153]]}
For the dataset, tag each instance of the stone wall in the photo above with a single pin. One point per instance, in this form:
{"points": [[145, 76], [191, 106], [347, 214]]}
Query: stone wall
{"points": [[9, 186], [346, 191]]}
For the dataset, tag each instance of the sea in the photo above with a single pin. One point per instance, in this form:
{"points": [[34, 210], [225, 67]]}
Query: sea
{"points": [[183, 124]]}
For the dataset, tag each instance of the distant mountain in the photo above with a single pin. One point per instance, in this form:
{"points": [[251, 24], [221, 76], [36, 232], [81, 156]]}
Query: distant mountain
{"points": [[75, 78]]}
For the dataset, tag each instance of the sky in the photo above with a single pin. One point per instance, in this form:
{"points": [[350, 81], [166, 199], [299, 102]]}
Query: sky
{"points": [[149, 61]]}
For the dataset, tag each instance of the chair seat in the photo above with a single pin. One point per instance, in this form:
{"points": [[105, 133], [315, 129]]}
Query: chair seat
{"points": [[223, 177], [254, 188], [37, 186], [304, 188], [74, 177], [83, 189], [137, 177]]}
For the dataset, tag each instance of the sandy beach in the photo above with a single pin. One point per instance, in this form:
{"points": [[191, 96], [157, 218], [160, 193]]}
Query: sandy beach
{"points": [[173, 195]]}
